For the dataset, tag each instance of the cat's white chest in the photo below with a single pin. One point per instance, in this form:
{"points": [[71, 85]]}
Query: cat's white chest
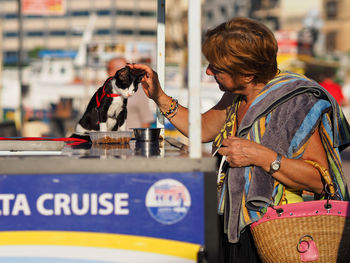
{"points": [[115, 108], [113, 111]]}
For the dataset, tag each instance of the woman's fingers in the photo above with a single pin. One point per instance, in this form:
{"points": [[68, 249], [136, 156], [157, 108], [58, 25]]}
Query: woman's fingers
{"points": [[237, 151], [140, 68], [148, 72], [227, 144], [150, 82]]}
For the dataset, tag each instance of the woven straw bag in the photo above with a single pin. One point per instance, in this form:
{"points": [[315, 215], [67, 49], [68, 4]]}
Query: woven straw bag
{"points": [[313, 231]]}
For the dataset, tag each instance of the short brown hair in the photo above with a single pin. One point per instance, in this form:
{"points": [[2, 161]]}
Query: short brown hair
{"points": [[242, 46]]}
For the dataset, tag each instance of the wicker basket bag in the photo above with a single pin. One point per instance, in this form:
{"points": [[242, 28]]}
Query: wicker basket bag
{"points": [[314, 231]]}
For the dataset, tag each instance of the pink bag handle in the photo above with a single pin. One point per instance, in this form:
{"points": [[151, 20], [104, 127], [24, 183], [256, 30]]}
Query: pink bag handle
{"points": [[325, 175]]}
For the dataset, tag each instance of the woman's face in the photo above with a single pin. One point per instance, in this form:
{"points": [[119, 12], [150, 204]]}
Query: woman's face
{"points": [[224, 79]]}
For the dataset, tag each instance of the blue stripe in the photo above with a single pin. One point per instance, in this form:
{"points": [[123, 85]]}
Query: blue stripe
{"points": [[223, 191], [275, 189], [246, 177], [272, 88], [327, 127], [273, 85], [268, 118], [308, 124], [253, 215], [341, 127]]}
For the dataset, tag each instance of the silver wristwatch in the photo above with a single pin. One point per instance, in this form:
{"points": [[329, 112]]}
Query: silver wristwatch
{"points": [[276, 164]]}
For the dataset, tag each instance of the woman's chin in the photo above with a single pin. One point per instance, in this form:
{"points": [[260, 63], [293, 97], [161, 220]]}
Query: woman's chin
{"points": [[222, 88]]}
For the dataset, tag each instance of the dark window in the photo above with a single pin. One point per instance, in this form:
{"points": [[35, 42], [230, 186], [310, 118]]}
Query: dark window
{"points": [[125, 32], [147, 33], [331, 40], [223, 11], [209, 15], [11, 53], [273, 22], [103, 31], [273, 3], [35, 33], [10, 34], [147, 13], [235, 8], [125, 12], [80, 13], [331, 9], [255, 5], [58, 33], [104, 12], [76, 33], [10, 16], [33, 17]]}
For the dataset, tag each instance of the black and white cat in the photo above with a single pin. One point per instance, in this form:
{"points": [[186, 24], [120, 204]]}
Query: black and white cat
{"points": [[106, 110]]}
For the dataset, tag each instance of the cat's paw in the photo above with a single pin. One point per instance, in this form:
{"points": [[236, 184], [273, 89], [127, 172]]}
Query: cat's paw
{"points": [[103, 127]]}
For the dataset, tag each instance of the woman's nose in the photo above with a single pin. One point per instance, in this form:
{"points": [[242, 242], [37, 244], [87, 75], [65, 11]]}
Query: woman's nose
{"points": [[209, 71]]}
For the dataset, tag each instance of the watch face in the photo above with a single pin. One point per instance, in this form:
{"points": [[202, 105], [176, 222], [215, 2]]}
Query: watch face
{"points": [[275, 166]]}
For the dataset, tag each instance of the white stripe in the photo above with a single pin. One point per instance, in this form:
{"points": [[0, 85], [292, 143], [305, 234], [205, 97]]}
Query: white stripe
{"points": [[87, 253]]}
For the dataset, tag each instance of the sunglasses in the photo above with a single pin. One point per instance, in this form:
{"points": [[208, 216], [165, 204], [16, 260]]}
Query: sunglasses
{"points": [[215, 70]]}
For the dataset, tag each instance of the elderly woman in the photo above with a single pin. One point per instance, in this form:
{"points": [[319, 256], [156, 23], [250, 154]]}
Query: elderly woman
{"points": [[265, 126]]}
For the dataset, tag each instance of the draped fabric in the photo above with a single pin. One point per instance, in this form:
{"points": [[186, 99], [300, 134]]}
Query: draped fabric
{"points": [[283, 117]]}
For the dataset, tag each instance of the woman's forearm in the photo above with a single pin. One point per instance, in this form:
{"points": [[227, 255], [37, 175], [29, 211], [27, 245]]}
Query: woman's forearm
{"points": [[293, 173], [211, 121], [296, 174]]}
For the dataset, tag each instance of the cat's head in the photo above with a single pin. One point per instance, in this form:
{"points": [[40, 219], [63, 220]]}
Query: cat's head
{"points": [[126, 82]]}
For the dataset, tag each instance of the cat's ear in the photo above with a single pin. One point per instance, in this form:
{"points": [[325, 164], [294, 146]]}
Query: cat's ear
{"points": [[136, 85], [137, 81]]}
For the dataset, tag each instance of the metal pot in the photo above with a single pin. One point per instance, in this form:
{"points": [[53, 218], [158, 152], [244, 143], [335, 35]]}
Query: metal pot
{"points": [[147, 134], [147, 148]]}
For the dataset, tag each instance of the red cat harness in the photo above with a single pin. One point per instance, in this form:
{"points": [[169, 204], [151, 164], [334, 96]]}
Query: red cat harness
{"points": [[98, 101]]}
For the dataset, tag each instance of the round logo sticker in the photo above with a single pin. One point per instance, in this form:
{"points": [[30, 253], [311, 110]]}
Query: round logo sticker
{"points": [[168, 201]]}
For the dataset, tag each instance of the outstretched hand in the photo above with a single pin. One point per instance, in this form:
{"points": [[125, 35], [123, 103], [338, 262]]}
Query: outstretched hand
{"points": [[149, 81]]}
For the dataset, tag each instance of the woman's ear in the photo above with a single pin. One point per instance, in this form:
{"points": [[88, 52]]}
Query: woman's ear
{"points": [[248, 78]]}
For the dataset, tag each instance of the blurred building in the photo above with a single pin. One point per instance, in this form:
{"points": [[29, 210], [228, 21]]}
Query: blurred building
{"points": [[329, 17], [218, 11], [176, 31], [284, 14], [277, 14], [336, 25], [116, 20], [135, 20], [313, 35]]}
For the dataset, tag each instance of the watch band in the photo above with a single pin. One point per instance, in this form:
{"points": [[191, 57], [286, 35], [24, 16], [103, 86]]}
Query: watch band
{"points": [[279, 157]]}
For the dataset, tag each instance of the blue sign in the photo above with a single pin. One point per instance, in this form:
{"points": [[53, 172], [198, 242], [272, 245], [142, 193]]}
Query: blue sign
{"points": [[160, 205]]}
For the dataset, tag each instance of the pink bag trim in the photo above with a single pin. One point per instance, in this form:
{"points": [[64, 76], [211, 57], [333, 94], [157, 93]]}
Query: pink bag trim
{"points": [[304, 209]]}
